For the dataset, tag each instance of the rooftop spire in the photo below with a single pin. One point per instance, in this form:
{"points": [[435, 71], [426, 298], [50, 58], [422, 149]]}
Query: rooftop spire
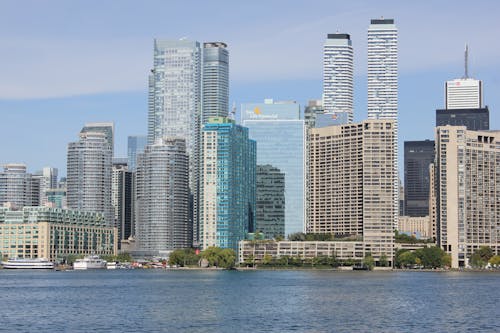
{"points": [[466, 61]]}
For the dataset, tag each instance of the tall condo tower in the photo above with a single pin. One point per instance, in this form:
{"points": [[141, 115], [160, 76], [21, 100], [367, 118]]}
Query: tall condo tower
{"points": [[162, 198], [215, 78], [89, 167], [338, 75], [175, 104], [383, 79], [227, 196]]}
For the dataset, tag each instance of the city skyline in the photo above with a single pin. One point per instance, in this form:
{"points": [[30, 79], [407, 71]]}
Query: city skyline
{"points": [[439, 60]]}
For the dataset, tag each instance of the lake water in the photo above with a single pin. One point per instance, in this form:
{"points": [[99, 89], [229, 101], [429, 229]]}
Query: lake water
{"points": [[250, 301]]}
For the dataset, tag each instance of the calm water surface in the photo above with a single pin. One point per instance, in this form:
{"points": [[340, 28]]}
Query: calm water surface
{"points": [[255, 301]]}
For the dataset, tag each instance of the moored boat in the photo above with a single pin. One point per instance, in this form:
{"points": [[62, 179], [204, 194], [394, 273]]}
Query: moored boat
{"points": [[33, 263], [89, 262]]}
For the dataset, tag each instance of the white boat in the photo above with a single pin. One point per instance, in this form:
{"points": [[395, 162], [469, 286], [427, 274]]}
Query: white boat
{"points": [[89, 262], [35, 263], [112, 265]]}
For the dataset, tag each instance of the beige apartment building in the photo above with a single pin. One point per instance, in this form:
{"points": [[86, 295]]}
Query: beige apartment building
{"points": [[467, 185], [353, 183], [52, 233], [415, 225]]}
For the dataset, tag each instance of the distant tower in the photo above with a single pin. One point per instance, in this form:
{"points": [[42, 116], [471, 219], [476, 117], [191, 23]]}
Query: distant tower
{"points": [[383, 80], [215, 78], [338, 75], [89, 171]]}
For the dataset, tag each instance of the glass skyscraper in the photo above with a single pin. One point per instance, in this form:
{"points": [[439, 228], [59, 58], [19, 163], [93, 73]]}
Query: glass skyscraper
{"points": [[281, 142], [135, 146], [227, 191]]}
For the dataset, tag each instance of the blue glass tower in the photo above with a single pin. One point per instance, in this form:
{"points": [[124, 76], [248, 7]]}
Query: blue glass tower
{"points": [[280, 136], [135, 147], [228, 181]]}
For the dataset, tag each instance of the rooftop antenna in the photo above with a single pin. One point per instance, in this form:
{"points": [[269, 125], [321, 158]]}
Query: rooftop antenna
{"points": [[466, 61]]}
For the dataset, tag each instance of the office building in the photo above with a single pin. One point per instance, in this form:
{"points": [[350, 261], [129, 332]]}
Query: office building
{"points": [[418, 155], [122, 199], [467, 191], [227, 192], [135, 146], [473, 119], [465, 93], [417, 226], [43, 232], [270, 202], [351, 181], [281, 142], [215, 78], [162, 198], [89, 167], [338, 74], [56, 198]]}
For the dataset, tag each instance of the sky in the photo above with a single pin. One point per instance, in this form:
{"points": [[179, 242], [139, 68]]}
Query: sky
{"points": [[65, 63]]}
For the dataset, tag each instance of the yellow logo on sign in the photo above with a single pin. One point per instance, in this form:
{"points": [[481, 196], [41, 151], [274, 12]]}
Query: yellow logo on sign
{"points": [[256, 110]]}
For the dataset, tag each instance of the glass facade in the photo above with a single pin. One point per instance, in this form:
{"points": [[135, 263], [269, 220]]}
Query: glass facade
{"points": [[280, 136], [227, 195], [270, 214], [135, 146]]}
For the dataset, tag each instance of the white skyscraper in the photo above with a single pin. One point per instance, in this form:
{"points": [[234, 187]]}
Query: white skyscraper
{"points": [[338, 75], [215, 77], [466, 92], [383, 79], [89, 171]]}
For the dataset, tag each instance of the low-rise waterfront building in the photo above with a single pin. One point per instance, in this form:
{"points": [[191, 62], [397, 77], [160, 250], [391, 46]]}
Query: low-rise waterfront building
{"points": [[53, 233]]}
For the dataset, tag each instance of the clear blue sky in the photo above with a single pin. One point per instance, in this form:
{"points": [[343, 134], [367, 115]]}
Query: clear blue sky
{"points": [[64, 63]]}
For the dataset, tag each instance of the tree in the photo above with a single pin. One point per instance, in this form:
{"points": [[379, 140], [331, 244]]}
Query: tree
{"points": [[297, 236], [446, 260], [225, 258], [368, 261], [183, 257], [383, 261], [267, 259], [495, 261], [480, 257], [405, 259], [431, 257]]}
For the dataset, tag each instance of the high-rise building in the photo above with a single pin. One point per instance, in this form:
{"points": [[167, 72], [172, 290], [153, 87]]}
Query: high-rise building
{"points": [[473, 119], [467, 191], [465, 93], [338, 75], [17, 187], [89, 167], [47, 180], [418, 156], [135, 146], [122, 198], [270, 202], [162, 198], [315, 115], [227, 192], [351, 177], [281, 142], [215, 78], [383, 79], [107, 128]]}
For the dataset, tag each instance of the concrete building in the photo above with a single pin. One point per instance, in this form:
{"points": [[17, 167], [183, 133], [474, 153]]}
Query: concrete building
{"points": [[215, 81], [17, 187], [43, 232], [270, 204], [162, 198], [351, 178], [467, 191], [227, 195], [89, 167], [281, 141], [418, 226], [135, 146], [338, 72], [56, 198], [418, 155]]}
